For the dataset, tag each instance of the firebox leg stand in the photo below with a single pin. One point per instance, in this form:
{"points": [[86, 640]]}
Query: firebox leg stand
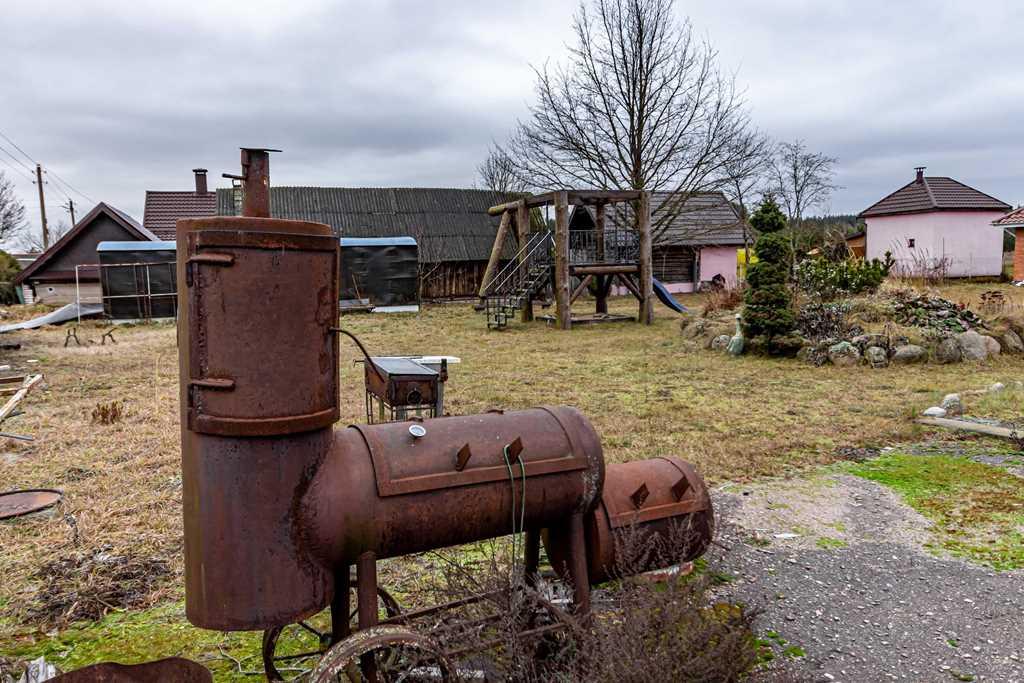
{"points": [[366, 591], [578, 567], [532, 559], [340, 609]]}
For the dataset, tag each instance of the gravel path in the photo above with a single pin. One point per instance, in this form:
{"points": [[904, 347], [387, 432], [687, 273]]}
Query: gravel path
{"points": [[855, 591]]}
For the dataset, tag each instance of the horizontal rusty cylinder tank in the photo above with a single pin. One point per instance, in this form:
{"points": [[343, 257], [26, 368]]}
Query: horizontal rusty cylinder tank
{"points": [[259, 395], [653, 514], [384, 490]]}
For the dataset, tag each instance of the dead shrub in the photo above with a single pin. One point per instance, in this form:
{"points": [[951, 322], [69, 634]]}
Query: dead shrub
{"points": [[722, 299], [109, 413], [642, 630], [87, 585]]}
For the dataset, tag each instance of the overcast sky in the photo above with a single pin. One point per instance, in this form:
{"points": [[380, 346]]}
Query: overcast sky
{"points": [[120, 97]]}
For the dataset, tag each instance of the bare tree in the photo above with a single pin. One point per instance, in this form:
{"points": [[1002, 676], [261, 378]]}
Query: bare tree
{"points": [[803, 179], [748, 172], [498, 173], [12, 211], [640, 105], [32, 242]]}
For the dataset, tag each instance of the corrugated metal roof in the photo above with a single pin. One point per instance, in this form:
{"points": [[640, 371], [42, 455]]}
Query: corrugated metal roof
{"points": [[934, 193], [448, 224], [687, 219], [164, 208], [137, 246], [378, 242]]}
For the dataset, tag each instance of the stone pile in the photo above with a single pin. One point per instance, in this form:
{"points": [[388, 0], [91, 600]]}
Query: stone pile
{"points": [[935, 313]]}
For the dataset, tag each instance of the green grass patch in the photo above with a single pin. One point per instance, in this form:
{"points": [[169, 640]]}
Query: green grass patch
{"points": [[130, 638], [977, 509], [828, 543]]}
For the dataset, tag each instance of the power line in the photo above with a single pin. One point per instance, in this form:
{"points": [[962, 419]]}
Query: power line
{"points": [[17, 148], [17, 170], [71, 187], [20, 162]]}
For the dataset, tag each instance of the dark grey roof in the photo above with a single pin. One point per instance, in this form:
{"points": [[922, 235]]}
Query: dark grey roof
{"points": [[934, 193], [690, 219], [448, 224]]}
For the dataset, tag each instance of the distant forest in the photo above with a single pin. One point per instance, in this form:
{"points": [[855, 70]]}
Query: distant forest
{"points": [[848, 222]]}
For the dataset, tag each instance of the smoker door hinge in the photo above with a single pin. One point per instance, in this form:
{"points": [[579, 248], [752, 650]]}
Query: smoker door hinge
{"points": [[205, 259], [215, 383]]}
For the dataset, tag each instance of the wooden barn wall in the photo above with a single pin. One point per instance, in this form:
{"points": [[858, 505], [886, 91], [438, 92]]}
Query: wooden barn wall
{"points": [[451, 279], [673, 263]]}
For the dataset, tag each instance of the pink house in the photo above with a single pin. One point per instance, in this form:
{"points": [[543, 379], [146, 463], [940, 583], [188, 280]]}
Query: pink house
{"points": [[695, 238], [935, 224]]}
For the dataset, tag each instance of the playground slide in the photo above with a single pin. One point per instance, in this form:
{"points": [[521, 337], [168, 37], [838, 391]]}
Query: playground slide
{"points": [[666, 298], [61, 315]]}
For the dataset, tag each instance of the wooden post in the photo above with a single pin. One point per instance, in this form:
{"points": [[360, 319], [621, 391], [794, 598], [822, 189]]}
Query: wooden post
{"points": [[602, 290], [492, 262], [646, 266], [562, 303], [523, 232]]}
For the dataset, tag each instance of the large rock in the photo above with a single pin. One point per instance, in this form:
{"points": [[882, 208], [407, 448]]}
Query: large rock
{"points": [[952, 404], [1012, 343], [844, 354], [972, 345], [876, 356], [992, 345], [865, 341], [948, 351], [720, 343], [909, 353]]}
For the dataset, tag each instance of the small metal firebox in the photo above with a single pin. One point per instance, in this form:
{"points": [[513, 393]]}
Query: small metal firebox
{"points": [[400, 388]]}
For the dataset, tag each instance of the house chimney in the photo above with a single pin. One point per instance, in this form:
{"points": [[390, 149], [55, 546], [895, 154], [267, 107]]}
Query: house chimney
{"points": [[920, 173], [200, 180]]}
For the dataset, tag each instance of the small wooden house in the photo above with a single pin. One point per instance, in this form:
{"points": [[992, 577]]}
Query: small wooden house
{"points": [[694, 237], [69, 269], [451, 226]]}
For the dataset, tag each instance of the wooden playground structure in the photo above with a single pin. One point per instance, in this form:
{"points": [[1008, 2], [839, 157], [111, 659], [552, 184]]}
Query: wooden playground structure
{"points": [[602, 257]]}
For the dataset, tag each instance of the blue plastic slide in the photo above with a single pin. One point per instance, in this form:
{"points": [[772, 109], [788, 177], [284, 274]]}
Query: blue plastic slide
{"points": [[666, 298]]}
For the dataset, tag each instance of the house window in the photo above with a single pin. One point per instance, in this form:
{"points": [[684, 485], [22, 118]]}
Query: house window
{"points": [[910, 242]]}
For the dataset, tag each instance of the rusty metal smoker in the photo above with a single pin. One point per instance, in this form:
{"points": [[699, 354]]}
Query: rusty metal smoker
{"points": [[278, 505]]}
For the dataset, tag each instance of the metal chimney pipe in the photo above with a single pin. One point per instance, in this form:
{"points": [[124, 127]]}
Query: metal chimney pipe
{"points": [[256, 182], [200, 174]]}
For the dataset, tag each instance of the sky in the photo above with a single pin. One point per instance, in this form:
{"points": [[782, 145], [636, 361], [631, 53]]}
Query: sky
{"points": [[114, 98]]}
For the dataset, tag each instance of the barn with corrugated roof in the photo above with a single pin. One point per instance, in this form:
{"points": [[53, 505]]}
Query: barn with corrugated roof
{"points": [[451, 226]]}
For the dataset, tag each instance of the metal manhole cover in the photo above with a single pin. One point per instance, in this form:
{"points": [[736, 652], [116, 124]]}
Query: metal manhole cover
{"points": [[17, 503]]}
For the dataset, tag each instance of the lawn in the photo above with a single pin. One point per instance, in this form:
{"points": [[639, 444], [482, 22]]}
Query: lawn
{"points": [[648, 392]]}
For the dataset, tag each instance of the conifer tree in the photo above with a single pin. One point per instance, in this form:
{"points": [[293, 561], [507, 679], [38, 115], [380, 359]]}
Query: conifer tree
{"points": [[768, 308]]}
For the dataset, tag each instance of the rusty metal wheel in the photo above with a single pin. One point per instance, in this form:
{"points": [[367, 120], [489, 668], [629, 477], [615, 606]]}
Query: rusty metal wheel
{"points": [[397, 655], [291, 651]]}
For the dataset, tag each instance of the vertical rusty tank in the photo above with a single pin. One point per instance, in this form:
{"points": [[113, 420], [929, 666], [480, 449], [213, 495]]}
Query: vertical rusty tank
{"points": [[259, 395]]}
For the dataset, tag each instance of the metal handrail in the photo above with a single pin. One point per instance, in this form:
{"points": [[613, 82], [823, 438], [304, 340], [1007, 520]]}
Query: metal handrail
{"points": [[538, 240]]}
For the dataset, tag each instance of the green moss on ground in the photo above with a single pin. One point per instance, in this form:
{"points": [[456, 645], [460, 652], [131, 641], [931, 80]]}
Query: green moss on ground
{"points": [[977, 509], [130, 638]]}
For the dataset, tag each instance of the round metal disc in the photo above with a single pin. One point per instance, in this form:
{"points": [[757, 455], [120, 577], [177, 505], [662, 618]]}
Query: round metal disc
{"points": [[417, 431], [17, 503]]}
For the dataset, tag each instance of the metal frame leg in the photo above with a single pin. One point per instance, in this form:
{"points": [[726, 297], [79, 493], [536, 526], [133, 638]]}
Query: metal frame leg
{"points": [[340, 609], [366, 591], [532, 559], [578, 566]]}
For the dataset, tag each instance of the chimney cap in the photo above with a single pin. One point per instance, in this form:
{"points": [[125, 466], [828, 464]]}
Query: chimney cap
{"points": [[199, 170]]}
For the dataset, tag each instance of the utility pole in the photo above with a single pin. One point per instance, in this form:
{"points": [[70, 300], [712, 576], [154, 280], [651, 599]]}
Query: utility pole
{"points": [[70, 208], [42, 207]]}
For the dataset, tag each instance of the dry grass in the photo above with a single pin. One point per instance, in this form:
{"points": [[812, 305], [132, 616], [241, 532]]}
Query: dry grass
{"points": [[647, 391]]}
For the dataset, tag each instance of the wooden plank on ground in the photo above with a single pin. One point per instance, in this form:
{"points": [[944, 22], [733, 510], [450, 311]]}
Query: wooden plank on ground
{"points": [[13, 401], [967, 426]]}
